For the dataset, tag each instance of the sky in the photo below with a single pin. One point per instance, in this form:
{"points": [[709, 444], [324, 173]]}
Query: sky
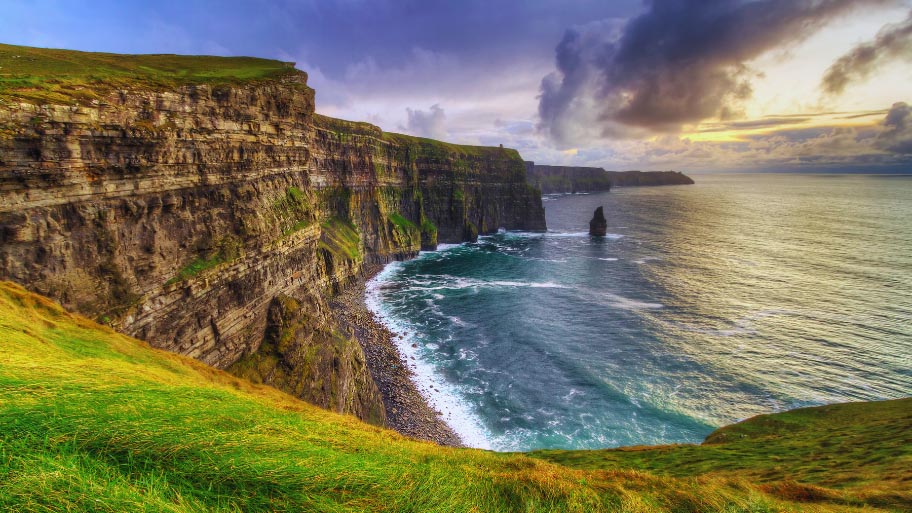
{"points": [[693, 85]]}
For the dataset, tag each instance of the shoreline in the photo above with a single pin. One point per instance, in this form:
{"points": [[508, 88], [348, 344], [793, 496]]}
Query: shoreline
{"points": [[407, 410]]}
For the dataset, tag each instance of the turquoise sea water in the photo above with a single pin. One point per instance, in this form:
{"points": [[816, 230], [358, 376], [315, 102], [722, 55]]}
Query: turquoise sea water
{"points": [[706, 304]]}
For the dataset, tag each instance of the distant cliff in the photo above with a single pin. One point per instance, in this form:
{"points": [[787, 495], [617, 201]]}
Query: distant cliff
{"points": [[567, 179], [213, 216], [648, 178]]}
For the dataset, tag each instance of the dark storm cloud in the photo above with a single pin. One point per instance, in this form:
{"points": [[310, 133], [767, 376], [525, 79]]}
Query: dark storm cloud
{"points": [[893, 41], [681, 61], [896, 136]]}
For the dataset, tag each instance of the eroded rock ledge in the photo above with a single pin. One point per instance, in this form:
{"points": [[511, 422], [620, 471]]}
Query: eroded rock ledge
{"points": [[214, 221]]}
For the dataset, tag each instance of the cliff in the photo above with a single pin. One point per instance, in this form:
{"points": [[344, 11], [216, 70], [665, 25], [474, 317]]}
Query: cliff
{"points": [[200, 204], [92, 420], [567, 179], [648, 178]]}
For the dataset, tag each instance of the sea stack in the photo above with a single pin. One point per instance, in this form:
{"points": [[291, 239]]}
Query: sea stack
{"points": [[599, 225]]}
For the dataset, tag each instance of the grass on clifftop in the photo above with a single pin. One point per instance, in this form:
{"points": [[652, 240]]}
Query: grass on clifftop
{"points": [[41, 75], [91, 420], [433, 147]]}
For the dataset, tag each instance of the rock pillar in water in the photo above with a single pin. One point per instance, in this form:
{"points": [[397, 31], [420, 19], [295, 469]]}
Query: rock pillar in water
{"points": [[599, 225]]}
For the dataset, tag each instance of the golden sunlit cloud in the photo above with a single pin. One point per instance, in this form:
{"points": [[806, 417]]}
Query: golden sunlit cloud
{"points": [[742, 131]]}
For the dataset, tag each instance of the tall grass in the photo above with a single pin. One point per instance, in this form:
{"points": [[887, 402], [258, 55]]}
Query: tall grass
{"points": [[91, 420], [43, 75]]}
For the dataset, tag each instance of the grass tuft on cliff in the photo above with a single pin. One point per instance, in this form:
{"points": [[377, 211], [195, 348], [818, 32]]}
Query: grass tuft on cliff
{"points": [[44, 75], [226, 250], [340, 237], [91, 420]]}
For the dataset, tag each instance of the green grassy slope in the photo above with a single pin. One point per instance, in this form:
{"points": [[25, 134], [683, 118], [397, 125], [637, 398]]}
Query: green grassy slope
{"points": [[41, 75], [91, 420], [863, 449]]}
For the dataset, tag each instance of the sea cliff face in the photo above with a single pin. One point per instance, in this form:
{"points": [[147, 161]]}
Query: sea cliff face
{"points": [[569, 179], [214, 220]]}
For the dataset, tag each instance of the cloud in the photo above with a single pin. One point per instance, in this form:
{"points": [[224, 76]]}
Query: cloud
{"points": [[767, 122], [430, 123], [896, 136], [865, 114], [679, 62], [892, 42], [623, 84], [885, 144]]}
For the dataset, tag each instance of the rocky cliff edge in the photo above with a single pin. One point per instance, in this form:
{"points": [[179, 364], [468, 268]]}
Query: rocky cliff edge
{"points": [[213, 218]]}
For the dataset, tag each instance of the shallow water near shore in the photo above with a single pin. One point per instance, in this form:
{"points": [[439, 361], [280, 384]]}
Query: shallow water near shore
{"points": [[705, 304]]}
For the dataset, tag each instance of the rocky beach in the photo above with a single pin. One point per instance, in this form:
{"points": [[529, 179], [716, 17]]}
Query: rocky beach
{"points": [[407, 410]]}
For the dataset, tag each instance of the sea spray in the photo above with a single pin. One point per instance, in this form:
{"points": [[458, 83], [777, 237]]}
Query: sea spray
{"points": [[441, 395]]}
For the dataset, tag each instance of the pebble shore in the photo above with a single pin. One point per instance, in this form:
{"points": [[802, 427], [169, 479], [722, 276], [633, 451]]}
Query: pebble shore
{"points": [[407, 411]]}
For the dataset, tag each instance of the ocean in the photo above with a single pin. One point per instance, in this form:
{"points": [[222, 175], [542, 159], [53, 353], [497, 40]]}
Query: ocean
{"points": [[705, 304]]}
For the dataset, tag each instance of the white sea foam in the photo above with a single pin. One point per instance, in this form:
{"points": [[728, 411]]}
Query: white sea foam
{"points": [[514, 235], [459, 322], [534, 285], [568, 234], [623, 303], [465, 354], [444, 247], [552, 260], [612, 236], [573, 392], [459, 283], [609, 259], [442, 396]]}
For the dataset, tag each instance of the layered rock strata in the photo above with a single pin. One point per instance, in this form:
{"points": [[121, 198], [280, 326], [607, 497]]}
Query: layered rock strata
{"points": [[214, 221], [569, 179]]}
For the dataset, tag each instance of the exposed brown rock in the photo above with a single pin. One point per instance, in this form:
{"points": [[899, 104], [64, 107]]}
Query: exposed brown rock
{"points": [[182, 216]]}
